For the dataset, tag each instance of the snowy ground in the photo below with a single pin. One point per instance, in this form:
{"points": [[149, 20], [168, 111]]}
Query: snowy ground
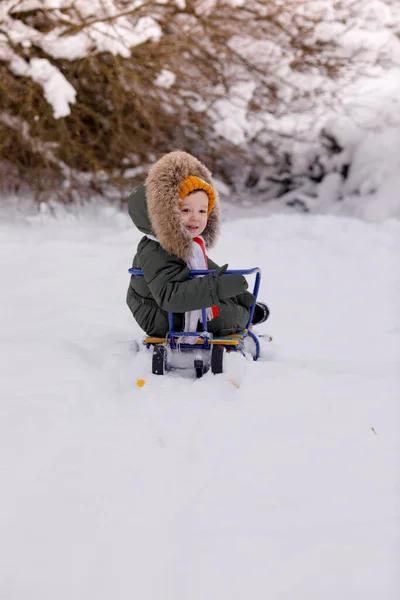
{"points": [[286, 487]]}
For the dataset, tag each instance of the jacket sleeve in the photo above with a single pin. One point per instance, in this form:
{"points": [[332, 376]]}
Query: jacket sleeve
{"points": [[245, 299], [167, 278]]}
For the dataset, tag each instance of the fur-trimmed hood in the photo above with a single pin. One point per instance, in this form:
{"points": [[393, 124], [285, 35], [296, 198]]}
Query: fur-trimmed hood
{"points": [[154, 208]]}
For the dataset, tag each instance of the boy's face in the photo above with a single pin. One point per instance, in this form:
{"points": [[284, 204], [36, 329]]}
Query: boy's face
{"points": [[194, 212]]}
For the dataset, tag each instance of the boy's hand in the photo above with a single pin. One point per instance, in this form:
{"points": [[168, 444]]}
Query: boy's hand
{"points": [[229, 285], [246, 299]]}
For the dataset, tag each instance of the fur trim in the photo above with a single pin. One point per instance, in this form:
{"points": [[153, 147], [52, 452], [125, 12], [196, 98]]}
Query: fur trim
{"points": [[162, 194]]}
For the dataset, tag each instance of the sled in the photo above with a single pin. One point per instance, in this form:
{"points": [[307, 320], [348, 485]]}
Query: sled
{"points": [[208, 352]]}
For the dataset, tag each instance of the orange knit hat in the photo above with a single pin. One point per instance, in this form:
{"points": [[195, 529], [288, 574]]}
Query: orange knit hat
{"points": [[192, 184]]}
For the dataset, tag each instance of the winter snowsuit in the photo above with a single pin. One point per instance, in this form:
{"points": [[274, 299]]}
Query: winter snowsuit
{"points": [[165, 287]]}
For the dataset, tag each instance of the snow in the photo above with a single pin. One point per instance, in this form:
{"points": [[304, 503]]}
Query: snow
{"points": [[285, 485], [231, 115], [57, 90], [278, 479], [108, 31], [165, 78]]}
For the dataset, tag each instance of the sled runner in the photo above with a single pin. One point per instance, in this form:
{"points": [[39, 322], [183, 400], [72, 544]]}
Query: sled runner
{"points": [[208, 351]]}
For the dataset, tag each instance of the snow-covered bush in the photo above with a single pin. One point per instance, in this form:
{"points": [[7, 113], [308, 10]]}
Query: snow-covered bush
{"points": [[339, 153], [91, 92]]}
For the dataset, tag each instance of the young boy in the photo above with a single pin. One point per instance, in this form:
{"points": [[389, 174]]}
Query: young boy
{"points": [[178, 211]]}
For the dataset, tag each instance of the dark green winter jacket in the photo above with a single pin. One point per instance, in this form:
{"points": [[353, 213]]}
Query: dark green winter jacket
{"points": [[165, 287]]}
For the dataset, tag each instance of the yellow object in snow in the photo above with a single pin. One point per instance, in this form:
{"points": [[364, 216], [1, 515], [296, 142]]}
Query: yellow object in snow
{"points": [[140, 382]]}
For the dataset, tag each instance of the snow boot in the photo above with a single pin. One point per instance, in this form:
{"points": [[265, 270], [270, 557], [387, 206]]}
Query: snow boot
{"points": [[261, 313]]}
